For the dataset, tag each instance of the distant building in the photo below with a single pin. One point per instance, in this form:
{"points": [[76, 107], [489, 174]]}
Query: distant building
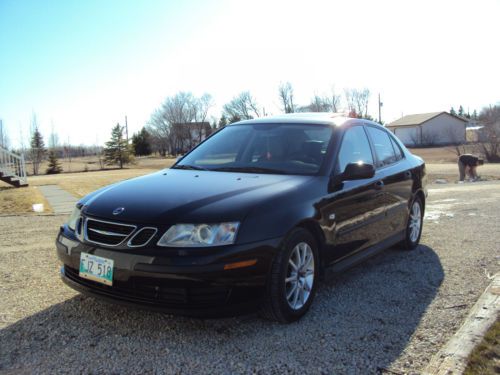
{"points": [[428, 129]]}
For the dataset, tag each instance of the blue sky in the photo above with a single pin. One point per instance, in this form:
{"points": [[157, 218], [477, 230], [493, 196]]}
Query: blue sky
{"points": [[81, 66]]}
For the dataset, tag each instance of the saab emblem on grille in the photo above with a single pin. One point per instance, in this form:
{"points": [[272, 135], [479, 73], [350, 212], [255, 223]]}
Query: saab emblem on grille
{"points": [[118, 211]]}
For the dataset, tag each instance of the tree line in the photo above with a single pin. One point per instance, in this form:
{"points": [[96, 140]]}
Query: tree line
{"points": [[181, 122]]}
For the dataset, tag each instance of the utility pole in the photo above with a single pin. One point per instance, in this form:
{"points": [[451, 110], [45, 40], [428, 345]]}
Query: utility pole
{"points": [[380, 104], [126, 128]]}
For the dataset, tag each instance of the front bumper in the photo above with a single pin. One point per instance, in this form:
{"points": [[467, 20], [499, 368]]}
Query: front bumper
{"points": [[180, 281]]}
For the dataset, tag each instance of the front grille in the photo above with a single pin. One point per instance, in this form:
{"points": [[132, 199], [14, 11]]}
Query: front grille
{"points": [[107, 233], [158, 292], [142, 237]]}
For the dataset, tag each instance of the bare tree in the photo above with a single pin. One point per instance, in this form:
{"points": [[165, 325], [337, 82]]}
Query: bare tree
{"points": [[334, 100], [490, 119], [323, 103], [458, 145], [357, 101], [286, 97], [53, 138], [429, 138], [170, 126], [160, 129], [202, 106], [318, 104], [68, 152], [22, 140], [242, 106], [4, 139], [414, 139]]}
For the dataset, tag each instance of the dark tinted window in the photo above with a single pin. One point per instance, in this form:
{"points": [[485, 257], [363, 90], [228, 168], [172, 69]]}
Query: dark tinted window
{"points": [[397, 149], [383, 146], [354, 148], [271, 148]]}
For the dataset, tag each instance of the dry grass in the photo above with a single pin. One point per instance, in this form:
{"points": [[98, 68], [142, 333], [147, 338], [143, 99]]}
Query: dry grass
{"points": [[91, 163], [445, 154], [485, 358], [14, 201], [20, 200], [80, 184]]}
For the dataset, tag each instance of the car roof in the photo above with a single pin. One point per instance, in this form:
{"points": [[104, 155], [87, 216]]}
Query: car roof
{"points": [[323, 118]]}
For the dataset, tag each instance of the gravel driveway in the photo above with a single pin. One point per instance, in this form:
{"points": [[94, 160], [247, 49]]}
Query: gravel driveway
{"points": [[390, 313]]}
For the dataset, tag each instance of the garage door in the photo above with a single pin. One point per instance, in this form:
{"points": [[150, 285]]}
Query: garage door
{"points": [[408, 135]]}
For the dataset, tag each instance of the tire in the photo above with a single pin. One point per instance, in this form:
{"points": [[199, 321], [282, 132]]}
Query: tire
{"points": [[284, 281], [414, 225]]}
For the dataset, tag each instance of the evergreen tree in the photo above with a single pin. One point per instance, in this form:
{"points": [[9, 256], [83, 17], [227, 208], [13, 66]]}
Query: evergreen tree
{"points": [[453, 112], [37, 150], [117, 150], [54, 166], [461, 112], [234, 118], [142, 143], [474, 115], [222, 121]]}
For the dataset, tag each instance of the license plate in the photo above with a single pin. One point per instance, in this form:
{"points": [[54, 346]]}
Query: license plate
{"points": [[96, 268]]}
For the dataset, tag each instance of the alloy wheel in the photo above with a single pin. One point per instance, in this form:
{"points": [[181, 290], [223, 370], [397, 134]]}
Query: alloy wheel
{"points": [[300, 276], [415, 223]]}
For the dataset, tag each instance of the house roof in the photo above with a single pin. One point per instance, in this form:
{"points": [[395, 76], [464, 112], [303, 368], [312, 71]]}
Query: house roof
{"points": [[419, 119]]}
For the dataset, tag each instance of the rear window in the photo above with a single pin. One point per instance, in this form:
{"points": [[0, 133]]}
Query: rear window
{"points": [[383, 146], [397, 150]]}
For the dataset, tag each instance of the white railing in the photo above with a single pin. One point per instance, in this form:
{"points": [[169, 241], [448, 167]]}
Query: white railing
{"points": [[13, 165]]}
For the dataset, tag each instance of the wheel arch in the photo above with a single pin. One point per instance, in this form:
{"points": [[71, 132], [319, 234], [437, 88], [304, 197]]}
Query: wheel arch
{"points": [[314, 228], [420, 194]]}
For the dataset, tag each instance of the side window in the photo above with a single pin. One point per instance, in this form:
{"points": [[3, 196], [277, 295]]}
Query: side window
{"points": [[397, 149], [383, 146], [355, 147]]}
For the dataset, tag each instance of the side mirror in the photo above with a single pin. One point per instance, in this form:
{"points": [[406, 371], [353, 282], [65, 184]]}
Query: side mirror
{"points": [[358, 171]]}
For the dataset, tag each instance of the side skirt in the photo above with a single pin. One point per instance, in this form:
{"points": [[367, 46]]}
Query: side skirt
{"points": [[363, 255]]}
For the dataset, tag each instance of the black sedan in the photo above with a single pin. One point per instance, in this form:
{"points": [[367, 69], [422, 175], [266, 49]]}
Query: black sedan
{"points": [[253, 217]]}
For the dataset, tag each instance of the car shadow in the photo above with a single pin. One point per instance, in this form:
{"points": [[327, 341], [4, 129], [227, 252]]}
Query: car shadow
{"points": [[361, 322]]}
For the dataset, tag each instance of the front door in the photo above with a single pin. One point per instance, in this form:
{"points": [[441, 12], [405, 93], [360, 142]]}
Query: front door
{"points": [[353, 213]]}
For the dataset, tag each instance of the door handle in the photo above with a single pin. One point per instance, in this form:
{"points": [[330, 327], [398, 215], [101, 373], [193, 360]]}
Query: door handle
{"points": [[379, 184]]}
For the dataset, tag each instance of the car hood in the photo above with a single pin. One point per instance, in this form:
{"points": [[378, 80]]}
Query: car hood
{"points": [[181, 196]]}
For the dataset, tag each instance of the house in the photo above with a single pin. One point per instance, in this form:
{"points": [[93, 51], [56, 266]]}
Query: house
{"points": [[428, 129]]}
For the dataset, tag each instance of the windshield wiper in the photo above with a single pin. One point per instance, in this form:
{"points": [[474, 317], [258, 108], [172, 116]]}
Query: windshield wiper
{"points": [[248, 170], [190, 167]]}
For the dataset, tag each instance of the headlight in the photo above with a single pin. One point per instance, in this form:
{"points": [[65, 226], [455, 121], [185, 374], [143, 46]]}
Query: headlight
{"points": [[199, 235], [75, 215]]}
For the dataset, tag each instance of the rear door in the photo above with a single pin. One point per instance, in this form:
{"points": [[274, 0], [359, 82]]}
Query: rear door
{"points": [[396, 179]]}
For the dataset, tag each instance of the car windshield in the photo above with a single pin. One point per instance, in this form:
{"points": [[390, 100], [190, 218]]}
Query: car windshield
{"points": [[262, 148]]}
